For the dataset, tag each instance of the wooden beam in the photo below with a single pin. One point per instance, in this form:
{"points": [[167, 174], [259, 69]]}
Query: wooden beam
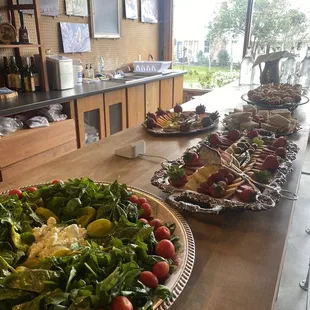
{"points": [[37, 16], [248, 26], [166, 29]]}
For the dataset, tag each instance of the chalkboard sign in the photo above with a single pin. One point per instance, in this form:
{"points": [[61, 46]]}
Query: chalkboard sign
{"points": [[105, 19]]}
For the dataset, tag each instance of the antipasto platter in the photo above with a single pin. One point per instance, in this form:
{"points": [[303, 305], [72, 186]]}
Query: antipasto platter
{"points": [[179, 122], [81, 244], [229, 171]]}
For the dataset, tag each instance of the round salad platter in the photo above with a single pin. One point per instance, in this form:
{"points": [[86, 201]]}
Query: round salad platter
{"points": [[263, 104], [229, 171], [128, 233]]}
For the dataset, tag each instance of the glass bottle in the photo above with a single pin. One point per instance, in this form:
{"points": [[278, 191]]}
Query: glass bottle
{"points": [[28, 78], [305, 70], [246, 72], [91, 72], [86, 72], [298, 64], [7, 73], [16, 78], [35, 73], [289, 68], [99, 65]]}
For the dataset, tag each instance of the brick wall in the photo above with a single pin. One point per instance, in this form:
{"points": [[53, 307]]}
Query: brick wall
{"points": [[136, 39]]}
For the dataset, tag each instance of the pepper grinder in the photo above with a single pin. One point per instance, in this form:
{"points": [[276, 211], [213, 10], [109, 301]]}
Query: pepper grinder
{"points": [[23, 32]]}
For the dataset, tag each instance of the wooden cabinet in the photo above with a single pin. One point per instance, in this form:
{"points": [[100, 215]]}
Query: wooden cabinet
{"points": [[28, 148], [178, 90], [115, 109], [135, 105], [166, 94], [151, 96], [89, 111]]}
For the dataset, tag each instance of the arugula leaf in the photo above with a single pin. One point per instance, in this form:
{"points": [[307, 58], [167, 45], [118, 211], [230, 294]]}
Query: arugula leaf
{"points": [[32, 280], [162, 292]]}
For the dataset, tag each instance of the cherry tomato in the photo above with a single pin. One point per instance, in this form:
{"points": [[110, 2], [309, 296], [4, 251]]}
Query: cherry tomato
{"points": [[134, 199], [16, 191], [56, 182], [141, 201], [31, 189], [147, 210], [165, 248], [148, 279], [162, 233], [121, 303], [161, 270], [145, 221], [156, 223]]}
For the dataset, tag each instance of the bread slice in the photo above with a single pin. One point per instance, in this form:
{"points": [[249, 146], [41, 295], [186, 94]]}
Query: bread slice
{"points": [[277, 120], [264, 113], [250, 108], [240, 116], [283, 112], [249, 125], [269, 127]]}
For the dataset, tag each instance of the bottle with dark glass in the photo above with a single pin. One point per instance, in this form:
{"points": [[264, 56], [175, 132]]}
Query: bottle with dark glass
{"points": [[35, 73], [28, 78], [16, 76], [7, 73]]}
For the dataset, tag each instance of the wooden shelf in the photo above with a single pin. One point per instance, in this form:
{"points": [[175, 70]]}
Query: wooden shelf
{"points": [[17, 7], [18, 45]]}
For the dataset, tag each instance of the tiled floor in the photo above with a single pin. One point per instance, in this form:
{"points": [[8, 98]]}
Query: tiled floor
{"points": [[291, 296]]}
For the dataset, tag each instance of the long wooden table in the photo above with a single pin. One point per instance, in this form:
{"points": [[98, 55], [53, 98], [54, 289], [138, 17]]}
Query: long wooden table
{"points": [[238, 255]]}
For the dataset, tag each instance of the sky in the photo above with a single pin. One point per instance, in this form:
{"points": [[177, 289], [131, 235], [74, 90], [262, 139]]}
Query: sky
{"points": [[191, 16]]}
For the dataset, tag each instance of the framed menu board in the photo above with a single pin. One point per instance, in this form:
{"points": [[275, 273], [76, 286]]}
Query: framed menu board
{"points": [[105, 19]]}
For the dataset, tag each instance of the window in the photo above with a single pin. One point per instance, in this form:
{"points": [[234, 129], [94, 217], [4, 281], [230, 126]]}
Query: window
{"points": [[210, 52]]}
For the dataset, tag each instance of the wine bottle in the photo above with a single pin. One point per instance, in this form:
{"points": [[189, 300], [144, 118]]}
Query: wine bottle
{"points": [[35, 74], [17, 78], [28, 78], [7, 73]]}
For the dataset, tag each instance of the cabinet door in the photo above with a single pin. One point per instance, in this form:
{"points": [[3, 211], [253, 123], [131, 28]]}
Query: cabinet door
{"points": [[135, 105], [152, 96], [115, 111], [90, 119], [166, 96], [178, 90]]}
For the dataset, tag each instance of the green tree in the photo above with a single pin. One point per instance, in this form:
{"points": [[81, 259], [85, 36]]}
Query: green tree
{"points": [[201, 59], [223, 58], [274, 23]]}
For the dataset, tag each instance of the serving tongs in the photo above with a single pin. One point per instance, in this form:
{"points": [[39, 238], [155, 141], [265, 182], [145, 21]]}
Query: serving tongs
{"points": [[283, 193]]}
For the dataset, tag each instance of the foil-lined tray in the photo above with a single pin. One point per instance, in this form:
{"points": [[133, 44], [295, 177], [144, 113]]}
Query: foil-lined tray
{"points": [[193, 201]]}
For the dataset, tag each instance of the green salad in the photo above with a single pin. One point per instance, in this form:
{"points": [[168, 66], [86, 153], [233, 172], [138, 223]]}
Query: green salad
{"points": [[83, 245]]}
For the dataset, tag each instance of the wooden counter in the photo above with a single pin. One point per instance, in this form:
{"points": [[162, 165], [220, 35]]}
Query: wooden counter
{"points": [[238, 255]]}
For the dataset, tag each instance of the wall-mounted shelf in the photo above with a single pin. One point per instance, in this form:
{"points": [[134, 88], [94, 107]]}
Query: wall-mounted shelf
{"points": [[12, 10], [18, 45]]}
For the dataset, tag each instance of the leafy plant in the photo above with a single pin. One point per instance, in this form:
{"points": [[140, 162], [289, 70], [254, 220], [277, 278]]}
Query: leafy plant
{"points": [[223, 58]]}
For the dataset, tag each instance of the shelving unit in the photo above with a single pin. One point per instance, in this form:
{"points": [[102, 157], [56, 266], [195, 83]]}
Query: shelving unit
{"points": [[20, 46], [12, 8]]}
